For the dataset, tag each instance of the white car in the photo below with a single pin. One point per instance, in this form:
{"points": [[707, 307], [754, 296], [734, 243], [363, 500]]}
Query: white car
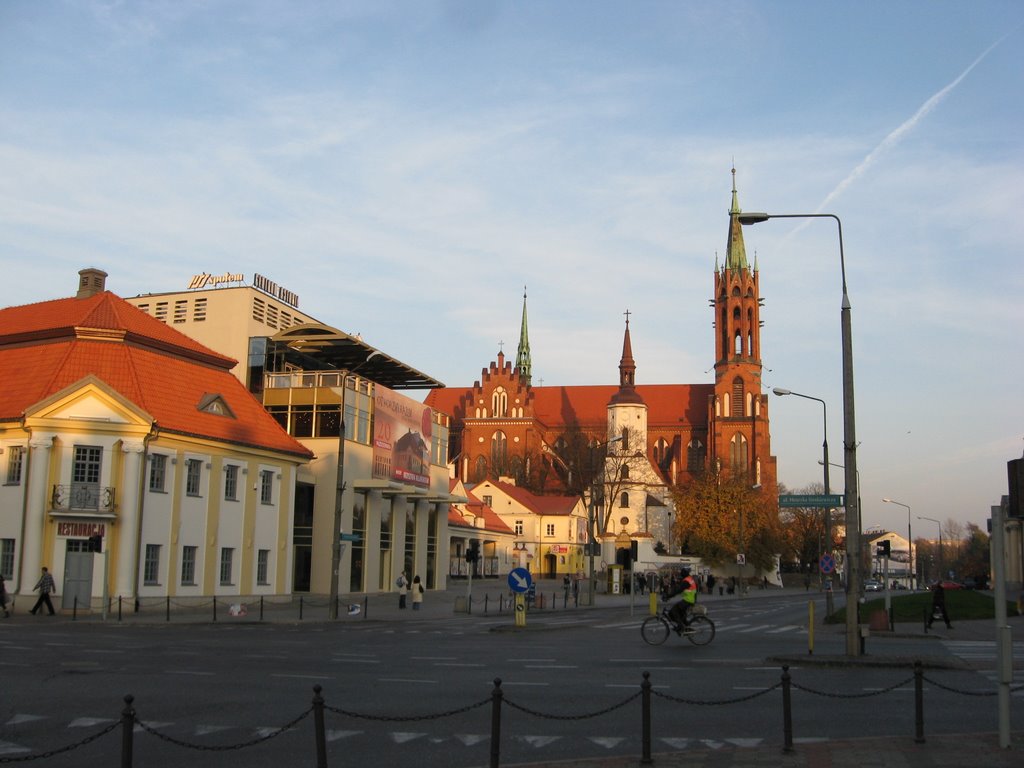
{"points": [[871, 585]]}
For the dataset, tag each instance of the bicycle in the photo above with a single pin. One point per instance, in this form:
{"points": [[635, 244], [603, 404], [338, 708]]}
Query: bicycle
{"points": [[699, 630]]}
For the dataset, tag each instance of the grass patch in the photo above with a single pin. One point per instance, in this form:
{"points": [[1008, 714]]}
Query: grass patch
{"points": [[961, 605]]}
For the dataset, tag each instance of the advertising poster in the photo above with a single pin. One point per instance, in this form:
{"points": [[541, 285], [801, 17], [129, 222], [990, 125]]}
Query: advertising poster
{"points": [[401, 438]]}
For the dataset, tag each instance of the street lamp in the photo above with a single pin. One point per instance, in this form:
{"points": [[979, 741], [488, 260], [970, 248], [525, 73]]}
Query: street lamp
{"points": [[592, 509], [849, 432], [827, 514], [339, 491], [933, 520], [910, 540]]}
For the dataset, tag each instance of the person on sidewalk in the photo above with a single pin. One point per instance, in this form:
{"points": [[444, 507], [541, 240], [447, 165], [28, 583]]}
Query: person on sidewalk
{"points": [[3, 597], [417, 593], [403, 589], [939, 606], [45, 585]]}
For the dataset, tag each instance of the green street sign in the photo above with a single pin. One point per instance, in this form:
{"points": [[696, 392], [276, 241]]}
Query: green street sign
{"points": [[811, 500]]}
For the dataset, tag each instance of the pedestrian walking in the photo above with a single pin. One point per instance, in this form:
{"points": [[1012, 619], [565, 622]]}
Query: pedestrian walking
{"points": [[403, 589], [938, 606], [417, 593], [3, 597], [46, 586]]}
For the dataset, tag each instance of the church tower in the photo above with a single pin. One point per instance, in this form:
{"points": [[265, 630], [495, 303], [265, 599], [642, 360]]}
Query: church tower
{"points": [[523, 363], [738, 416]]}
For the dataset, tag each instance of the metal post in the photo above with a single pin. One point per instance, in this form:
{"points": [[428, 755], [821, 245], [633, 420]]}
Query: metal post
{"points": [[319, 731], [127, 728], [1004, 647], [645, 715], [496, 697], [787, 711]]}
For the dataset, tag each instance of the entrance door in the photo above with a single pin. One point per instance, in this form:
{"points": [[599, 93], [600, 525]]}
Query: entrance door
{"points": [[78, 564]]}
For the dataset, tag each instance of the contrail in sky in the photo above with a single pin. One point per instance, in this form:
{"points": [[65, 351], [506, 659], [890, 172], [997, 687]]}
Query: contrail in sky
{"points": [[895, 136]]}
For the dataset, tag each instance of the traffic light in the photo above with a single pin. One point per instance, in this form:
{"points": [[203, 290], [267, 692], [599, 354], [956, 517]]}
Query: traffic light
{"points": [[473, 553], [96, 543], [883, 548], [634, 551]]}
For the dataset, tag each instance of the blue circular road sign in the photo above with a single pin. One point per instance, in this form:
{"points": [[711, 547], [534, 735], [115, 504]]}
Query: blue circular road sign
{"points": [[827, 563], [519, 580]]}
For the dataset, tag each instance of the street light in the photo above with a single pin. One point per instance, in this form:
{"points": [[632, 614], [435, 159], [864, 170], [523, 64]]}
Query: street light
{"points": [[933, 520], [592, 510], [827, 514], [910, 539], [849, 432], [339, 491]]}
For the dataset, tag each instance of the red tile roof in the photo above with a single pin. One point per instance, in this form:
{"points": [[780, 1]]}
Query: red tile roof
{"points": [[49, 346]]}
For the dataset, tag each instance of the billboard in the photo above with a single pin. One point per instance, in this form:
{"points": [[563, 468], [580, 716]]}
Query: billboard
{"points": [[402, 429]]}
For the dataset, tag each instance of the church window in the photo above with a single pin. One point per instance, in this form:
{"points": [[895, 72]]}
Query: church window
{"points": [[499, 402], [738, 454], [480, 471], [737, 397], [624, 472], [694, 456], [624, 443], [624, 499], [661, 454], [499, 449]]}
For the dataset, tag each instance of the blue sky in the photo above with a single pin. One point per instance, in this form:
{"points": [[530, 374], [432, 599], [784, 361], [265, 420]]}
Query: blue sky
{"points": [[407, 167]]}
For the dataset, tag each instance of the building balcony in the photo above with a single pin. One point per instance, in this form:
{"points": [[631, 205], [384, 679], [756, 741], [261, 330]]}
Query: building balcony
{"points": [[82, 500]]}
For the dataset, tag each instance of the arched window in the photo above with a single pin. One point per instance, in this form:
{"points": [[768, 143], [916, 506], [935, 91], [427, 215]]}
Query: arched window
{"points": [[624, 472], [695, 456], [737, 397], [499, 449], [480, 470], [661, 453], [624, 443], [515, 465], [499, 402], [738, 454], [624, 499]]}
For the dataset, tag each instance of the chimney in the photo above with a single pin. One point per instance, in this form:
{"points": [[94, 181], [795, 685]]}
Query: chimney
{"points": [[90, 282]]}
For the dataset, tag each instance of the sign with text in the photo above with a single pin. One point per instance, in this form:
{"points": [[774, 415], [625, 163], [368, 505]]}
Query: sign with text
{"points": [[811, 500], [402, 429]]}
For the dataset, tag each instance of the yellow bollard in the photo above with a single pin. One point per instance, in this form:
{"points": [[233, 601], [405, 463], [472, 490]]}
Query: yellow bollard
{"points": [[654, 603], [810, 627], [520, 610]]}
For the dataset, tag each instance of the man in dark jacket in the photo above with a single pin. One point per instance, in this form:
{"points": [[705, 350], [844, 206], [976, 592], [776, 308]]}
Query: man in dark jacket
{"points": [[939, 605]]}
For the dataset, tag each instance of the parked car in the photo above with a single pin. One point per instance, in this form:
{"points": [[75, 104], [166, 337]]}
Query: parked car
{"points": [[951, 584], [873, 585], [970, 583]]}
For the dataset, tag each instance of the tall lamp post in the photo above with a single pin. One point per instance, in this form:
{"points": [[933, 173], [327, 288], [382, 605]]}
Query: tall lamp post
{"points": [[910, 540], [827, 514], [853, 583], [592, 508], [933, 520], [339, 491]]}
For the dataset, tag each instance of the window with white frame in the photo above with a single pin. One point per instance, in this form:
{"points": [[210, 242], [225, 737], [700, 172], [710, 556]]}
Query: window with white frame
{"points": [[227, 556], [15, 460], [151, 565], [193, 476], [267, 486], [262, 566], [231, 482], [188, 566], [157, 472], [549, 529], [519, 527]]}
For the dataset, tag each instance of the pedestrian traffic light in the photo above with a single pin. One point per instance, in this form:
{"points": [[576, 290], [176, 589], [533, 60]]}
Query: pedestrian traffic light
{"points": [[96, 543], [634, 551], [473, 553], [883, 548]]}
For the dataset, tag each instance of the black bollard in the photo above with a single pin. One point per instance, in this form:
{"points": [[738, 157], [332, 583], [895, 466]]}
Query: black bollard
{"points": [[300, 608], [118, 607], [127, 729], [496, 697], [645, 718], [787, 711], [366, 606], [918, 703], [215, 609], [319, 730], [167, 610], [74, 610]]}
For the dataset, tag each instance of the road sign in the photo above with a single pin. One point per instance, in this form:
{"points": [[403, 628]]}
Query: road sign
{"points": [[827, 563], [519, 580], [811, 500], [741, 559], [351, 537]]}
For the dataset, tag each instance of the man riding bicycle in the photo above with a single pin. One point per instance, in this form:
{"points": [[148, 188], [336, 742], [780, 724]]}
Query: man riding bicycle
{"points": [[679, 613]]}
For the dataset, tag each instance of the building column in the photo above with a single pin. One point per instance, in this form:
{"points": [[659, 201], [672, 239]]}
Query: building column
{"points": [[129, 518], [37, 500]]}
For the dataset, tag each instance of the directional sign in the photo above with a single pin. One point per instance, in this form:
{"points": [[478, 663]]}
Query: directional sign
{"points": [[351, 537], [519, 580], [810, 500], [827, 563]]}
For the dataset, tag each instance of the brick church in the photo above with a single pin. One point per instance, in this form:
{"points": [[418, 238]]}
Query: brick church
{"points": [[626, 441]]}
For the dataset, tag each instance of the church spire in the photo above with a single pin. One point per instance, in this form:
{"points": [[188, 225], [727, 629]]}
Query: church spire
{"points": [[627, 371], [523, 353], [735, 252]]}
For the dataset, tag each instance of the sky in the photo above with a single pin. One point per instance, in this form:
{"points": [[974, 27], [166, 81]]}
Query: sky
{"points": [[407, 168]]}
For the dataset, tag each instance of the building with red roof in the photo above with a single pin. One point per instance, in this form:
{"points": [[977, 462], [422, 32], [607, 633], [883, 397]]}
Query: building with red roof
{"points": [[118, 430]]}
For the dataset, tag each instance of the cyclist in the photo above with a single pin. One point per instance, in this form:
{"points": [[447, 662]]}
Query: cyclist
{"points": [[679, 613]]}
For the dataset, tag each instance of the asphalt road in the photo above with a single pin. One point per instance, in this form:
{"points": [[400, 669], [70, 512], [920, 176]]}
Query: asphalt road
{"points": [[419, 690]]}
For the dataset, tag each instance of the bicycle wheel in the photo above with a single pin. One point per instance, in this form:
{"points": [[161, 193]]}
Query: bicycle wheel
{"points": [[654, 630], [701, 630]]}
